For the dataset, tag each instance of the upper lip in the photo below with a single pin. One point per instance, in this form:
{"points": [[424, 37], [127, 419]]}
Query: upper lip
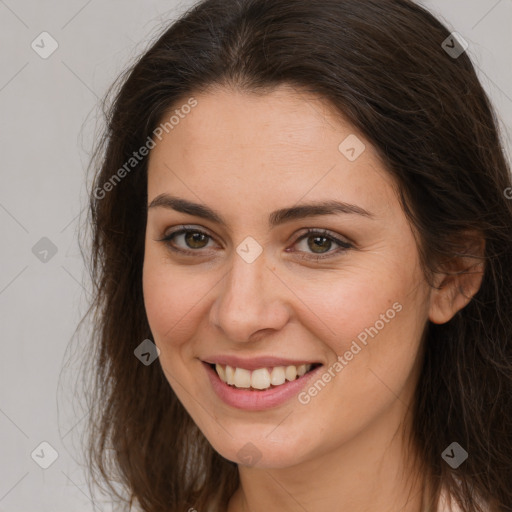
{"points": [[254, 363]]}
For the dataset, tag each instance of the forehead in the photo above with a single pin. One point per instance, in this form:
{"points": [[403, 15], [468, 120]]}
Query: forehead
{"points": [[280, 146]]}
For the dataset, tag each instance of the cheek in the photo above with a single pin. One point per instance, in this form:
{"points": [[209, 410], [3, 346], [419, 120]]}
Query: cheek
{"points": [[371, 321], [342, 308], [167, 299], [372, 329], [174, 299], [378, 320]]}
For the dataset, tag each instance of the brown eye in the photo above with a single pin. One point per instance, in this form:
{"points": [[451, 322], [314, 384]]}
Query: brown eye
{"points": [[317, 243], [320, 243], [193, 240]]}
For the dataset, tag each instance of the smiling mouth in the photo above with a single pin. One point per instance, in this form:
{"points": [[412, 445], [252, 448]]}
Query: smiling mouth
{"points": [[261, 379]]}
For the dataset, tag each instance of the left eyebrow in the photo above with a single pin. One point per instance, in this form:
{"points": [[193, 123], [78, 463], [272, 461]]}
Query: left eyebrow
{"points": [[276, 218]]}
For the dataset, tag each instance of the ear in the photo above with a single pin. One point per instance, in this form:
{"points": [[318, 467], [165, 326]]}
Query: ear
{"points": [[458, 280]]}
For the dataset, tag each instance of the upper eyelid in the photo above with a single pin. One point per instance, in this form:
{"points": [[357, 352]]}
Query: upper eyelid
{"points": [[338, 239], [183, 229]]}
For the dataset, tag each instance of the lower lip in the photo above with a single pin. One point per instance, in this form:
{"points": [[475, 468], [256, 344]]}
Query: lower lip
{"points": [[257, 400]]}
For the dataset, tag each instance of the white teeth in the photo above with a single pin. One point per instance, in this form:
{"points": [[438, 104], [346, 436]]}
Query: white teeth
{"points": [[242, 378], [230, 375], [261, 378], [291, 372], [277, 377], [221, 372]]}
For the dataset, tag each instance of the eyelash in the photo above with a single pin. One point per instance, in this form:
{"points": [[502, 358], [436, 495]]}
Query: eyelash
{"points": [[344, 246]]}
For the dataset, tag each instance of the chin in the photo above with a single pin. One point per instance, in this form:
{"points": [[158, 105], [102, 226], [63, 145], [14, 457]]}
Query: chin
{"points": [[263, 450]]}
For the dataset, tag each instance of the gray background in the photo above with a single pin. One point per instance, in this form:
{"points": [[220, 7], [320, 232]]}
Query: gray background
{"points": [[49, 115]]}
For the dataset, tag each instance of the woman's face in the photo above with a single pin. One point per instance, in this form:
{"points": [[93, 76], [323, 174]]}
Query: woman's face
{"points": [[249, 287]]}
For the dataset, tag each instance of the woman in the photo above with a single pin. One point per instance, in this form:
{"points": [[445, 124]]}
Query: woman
{"points": [[302, 246]]}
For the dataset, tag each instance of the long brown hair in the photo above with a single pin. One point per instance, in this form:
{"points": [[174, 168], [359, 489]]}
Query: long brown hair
{"points": [[382, 65]]}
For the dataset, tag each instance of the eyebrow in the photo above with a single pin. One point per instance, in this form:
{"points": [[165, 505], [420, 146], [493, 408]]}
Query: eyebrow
{"points": [[275, 218]]}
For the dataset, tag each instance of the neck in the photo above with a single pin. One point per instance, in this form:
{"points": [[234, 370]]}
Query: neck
{"points": [[370, 472]]}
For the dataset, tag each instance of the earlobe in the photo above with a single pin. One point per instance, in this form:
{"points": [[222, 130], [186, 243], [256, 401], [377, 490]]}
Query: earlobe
{"points": [[454, 288]]}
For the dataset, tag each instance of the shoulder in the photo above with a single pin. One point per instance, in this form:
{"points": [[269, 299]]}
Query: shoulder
{"points": [[448, 504]]}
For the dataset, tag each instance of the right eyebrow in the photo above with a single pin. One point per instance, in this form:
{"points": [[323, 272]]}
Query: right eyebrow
{"points": [[276, 218]]}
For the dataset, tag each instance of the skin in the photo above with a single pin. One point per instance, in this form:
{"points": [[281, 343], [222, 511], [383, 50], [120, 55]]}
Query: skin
{"points": [[245, 156]]}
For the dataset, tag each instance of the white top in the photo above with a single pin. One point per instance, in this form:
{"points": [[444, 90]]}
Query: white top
{"points": [[444, 505]]}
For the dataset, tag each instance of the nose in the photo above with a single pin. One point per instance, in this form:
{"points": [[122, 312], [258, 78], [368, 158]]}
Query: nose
{"points": [[252, 301]]}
